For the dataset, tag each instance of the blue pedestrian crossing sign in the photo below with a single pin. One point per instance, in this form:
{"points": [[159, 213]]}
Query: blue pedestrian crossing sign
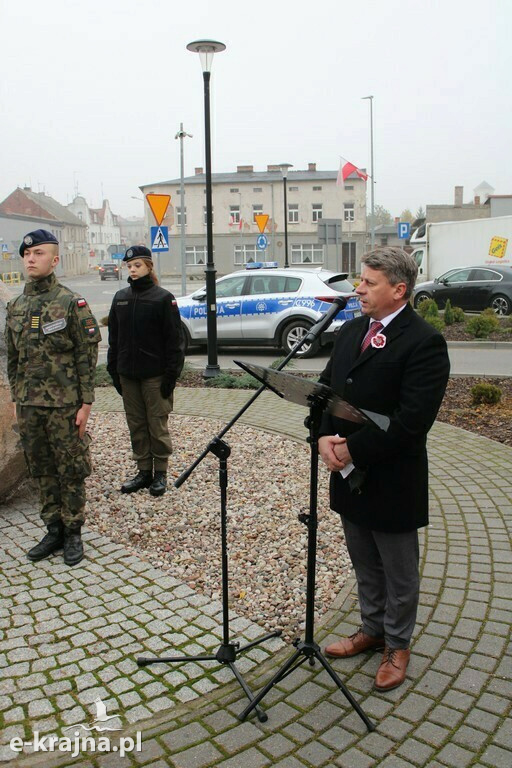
{"points": [[5, 249], [159, 239], [262, 242]]}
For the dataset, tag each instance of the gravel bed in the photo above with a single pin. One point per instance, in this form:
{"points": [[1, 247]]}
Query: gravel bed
{"points": [[268, 485]]}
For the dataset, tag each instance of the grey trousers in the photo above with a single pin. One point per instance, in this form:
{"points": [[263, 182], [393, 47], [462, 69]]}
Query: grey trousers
{"points": [[386, 568], [147, 415]]}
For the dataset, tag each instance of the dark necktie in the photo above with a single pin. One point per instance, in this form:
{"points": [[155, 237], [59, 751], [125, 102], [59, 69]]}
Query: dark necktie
{"points": [[373, 330]]}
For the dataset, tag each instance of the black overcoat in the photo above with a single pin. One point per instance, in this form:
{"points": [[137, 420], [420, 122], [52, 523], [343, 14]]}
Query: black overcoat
{"points": [[405, 380]]}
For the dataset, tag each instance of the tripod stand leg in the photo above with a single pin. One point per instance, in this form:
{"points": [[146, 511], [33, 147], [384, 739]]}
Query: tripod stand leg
{"points": [[276, 633], [332, 674], [262, 716], [277, 677]]}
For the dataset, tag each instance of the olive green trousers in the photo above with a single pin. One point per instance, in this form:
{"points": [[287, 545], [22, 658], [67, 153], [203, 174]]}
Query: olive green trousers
{"points": [[147, 415]]}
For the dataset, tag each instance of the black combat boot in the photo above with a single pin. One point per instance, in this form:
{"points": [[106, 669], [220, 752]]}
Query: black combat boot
{"points": [[142, 479], [49, 544], [73, 547], [159, 485]]}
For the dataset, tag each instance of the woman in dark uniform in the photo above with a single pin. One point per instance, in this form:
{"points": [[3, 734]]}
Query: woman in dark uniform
{"points": [[145, 358]]}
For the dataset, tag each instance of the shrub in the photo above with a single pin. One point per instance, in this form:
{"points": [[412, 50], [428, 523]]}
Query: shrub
{"points": [[458, 315], [448, 316], [102, 376], [425, 306], [226, 380], [481, 326], [435, 322], [486, 393]]}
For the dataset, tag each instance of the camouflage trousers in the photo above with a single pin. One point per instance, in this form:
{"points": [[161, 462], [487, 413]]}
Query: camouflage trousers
{"points": [[58, 458]]}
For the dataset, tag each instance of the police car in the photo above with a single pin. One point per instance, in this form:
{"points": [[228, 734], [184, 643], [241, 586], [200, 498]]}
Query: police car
{"points": [[264, 305]]}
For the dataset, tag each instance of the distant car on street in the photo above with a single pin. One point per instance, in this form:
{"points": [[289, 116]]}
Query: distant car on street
{"points": [[267, 306], [470, 288], [108, 270]]}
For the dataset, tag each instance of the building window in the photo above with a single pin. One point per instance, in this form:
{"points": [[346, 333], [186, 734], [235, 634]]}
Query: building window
{"points": [[235, 190], [196, 254], [293, 213], [257, 189], [316, 213], [204, 215], [234, 214], [257, 210], [349, 186], [293, 189], [307, 254], [245, 254], [348, 212], [317, 189], [178, 217]]}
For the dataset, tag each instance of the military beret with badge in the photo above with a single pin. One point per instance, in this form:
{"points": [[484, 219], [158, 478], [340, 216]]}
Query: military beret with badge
{"points": [[37, 237], [138, 252]]}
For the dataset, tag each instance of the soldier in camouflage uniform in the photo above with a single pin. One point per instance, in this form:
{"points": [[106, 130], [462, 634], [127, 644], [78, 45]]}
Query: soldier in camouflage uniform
{"points": [[52, 348]]}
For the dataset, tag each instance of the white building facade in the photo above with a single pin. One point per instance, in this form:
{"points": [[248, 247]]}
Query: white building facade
{"points": [[238, 197], [103, 230]]}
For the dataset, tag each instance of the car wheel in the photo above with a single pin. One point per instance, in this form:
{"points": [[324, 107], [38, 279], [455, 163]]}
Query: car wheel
{"points": [[293, 333], [420, 298], [501, 304], [102, 278]]}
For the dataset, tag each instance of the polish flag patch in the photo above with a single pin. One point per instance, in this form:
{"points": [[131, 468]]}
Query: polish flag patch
{"points": [[81, 302]]}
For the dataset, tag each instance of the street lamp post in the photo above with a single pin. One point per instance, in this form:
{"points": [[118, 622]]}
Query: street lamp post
{"points": [[284, 170], [372, 190], [206, 50], [182, 135]]}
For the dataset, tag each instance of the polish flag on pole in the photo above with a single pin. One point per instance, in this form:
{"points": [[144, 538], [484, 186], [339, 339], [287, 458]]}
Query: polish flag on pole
{"points": [[346, 169], [233, 223]]}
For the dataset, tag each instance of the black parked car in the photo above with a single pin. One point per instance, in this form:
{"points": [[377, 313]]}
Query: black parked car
{"points": [[470, 288], [108, 270]]}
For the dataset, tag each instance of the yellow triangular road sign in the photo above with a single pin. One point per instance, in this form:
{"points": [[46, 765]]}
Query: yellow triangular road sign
{"points": [[158, 204], [261, 220]]}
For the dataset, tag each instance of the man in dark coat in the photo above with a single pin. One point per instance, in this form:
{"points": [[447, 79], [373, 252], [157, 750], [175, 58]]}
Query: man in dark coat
{"points": [[392, 362]]}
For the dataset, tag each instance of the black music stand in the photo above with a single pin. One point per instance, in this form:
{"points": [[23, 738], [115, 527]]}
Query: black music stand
{"points": [[318, 398], [228, 650]]}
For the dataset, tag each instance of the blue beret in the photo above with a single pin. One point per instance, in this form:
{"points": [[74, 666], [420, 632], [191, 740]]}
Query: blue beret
{"points": [[138, 252], [38, 237]]}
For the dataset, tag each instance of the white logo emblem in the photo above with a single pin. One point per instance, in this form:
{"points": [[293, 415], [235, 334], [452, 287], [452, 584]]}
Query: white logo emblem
{"points": [[101, 717], [129, 253], [28, 240]]}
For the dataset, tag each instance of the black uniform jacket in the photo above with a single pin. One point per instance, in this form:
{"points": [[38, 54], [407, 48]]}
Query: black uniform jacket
{"points": [[144, 332], [405, 380]]}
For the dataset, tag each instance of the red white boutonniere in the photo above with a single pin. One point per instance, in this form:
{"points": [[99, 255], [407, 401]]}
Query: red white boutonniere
{"points": [[378, 341]]}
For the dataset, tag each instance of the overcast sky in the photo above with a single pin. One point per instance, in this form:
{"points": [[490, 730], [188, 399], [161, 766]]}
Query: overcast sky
{"points": [[93, 91]]}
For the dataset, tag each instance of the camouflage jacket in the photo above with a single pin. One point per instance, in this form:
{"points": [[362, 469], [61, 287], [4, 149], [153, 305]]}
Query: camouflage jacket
{"points": [[52, 346]]}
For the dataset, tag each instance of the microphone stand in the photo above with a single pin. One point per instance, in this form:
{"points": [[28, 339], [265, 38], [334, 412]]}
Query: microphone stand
{"points": [[228, 651]]}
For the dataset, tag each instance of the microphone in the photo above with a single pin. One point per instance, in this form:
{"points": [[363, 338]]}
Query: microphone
{"points": [[339, 303]]}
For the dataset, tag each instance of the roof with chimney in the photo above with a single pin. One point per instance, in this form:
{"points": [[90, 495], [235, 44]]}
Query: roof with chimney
{"points": [[38, 205], [247, 174]]}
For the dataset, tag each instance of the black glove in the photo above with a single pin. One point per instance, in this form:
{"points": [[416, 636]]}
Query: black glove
{"points": [[116, 381], [167, 387]]}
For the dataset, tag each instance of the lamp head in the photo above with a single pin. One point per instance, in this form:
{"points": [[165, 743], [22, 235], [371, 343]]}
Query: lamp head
{"points": [[206, 50], [284, 169]]}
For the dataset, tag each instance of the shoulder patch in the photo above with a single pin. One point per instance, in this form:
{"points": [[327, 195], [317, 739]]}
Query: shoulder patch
{"points": [[81, 302], [89, 325]]}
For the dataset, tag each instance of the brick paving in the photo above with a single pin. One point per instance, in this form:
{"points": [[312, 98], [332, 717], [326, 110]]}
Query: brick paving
{"points": [[70, 636]]}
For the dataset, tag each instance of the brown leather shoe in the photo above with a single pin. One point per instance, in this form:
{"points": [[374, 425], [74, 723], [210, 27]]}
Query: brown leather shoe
{"points": [[356, 643], [392, 669]]}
